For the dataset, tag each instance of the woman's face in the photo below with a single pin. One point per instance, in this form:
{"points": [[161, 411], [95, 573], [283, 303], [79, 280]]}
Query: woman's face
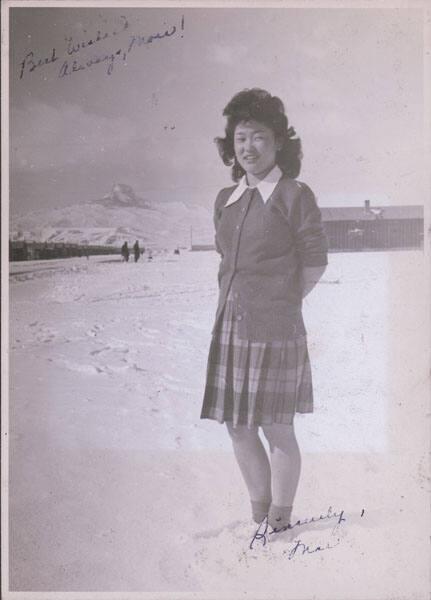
{"points": [[255, 147]]}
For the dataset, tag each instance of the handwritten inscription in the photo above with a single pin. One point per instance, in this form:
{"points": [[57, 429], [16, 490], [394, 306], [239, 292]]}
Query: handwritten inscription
{"points": [[329, 515], [298, 546], [73, 47], [74, 62], [31, 63], [301, 548]]}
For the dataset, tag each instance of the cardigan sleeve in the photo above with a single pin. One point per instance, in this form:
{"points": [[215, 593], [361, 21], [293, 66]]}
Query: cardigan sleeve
{"points": [[216, 218], [306, 222]]}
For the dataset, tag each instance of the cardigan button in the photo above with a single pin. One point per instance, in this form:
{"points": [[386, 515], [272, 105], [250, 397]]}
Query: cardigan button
{"points": [[239, 318]]}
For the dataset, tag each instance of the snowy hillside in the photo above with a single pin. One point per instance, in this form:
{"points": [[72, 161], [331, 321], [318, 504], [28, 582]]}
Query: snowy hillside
{"points": [[118, 216]]}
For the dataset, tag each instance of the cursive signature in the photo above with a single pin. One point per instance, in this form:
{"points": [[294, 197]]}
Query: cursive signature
{"points": [[74, 47], [68, 67], [31, 62], [262, 534], [76, 62], [301, 548]]}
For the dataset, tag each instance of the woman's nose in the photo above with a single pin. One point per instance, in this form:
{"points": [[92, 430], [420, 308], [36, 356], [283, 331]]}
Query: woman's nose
{"points": [[248, 144]]}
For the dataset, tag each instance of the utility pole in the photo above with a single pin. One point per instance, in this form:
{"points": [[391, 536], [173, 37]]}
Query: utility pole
{"points": [[191, 237]]}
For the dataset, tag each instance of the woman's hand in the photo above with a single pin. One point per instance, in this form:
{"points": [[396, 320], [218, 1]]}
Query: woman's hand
{"points": [[310, 276]]}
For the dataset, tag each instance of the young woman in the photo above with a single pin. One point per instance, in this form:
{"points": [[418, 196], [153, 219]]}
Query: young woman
{"points": [[273, 252]]}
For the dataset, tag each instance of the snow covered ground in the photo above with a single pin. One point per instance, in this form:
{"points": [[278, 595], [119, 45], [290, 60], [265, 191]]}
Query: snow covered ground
{"points": [[117, 485]]}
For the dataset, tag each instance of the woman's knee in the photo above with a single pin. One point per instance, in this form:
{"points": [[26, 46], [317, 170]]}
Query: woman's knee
{"points": [[241, 433], [280, 435]]}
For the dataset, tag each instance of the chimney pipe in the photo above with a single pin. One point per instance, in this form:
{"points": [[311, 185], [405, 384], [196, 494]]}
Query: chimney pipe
{"points": [[367, 205]]}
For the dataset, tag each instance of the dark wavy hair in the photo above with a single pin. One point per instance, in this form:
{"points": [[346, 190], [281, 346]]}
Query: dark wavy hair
{"points": [[258, 105]]}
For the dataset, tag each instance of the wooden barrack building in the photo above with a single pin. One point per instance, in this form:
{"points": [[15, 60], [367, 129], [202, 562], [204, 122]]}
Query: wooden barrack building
{"points": [[355, 228], [374, 228]]}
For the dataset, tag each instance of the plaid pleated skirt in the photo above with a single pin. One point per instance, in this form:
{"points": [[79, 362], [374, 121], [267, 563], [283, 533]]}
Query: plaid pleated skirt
{"points": [[255, 383]]}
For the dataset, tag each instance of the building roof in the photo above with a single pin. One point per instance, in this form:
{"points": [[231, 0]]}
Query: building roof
{"points": [[359, 213]]}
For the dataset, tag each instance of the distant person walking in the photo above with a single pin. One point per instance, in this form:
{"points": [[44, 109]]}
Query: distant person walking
{"points": [[125, 252], [273, 252], [136, 251]]}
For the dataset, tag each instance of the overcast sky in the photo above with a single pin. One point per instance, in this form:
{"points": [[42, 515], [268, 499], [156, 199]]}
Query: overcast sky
{"points": [[351, 80]]}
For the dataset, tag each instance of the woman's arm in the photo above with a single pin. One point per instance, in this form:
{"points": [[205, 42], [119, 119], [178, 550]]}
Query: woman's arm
{"points": [[216, 218], [310, 276], [310, 239]]}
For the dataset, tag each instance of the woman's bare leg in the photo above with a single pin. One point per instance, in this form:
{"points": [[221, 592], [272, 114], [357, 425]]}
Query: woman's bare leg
{"points": [[255, 468], [285, 470]]}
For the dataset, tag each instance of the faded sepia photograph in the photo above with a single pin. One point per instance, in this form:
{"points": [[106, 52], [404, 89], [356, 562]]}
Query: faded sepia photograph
{"points": [[215, 300]]}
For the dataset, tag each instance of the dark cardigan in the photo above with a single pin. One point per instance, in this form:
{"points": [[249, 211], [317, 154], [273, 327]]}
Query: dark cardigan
{"points": [[263, 254]]}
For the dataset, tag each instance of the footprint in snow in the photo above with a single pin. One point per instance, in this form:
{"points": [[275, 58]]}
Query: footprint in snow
{"points": [[93, 331], [80, 368], [95, 352], [213, 533]]}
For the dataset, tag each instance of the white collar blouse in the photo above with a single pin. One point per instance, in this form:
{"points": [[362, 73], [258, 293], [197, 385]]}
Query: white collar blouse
{"points": [[265, 186]]}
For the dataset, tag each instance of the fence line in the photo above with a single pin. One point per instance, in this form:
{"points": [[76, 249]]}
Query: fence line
{"points": [[23, 250]]}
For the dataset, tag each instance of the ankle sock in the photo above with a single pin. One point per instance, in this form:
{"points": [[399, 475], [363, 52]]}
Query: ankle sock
{"points": [[260, 509], [279, 516]]}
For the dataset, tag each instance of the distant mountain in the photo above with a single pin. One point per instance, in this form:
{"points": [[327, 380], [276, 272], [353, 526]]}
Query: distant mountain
{"points": [[118, 216], [122, 195]]}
